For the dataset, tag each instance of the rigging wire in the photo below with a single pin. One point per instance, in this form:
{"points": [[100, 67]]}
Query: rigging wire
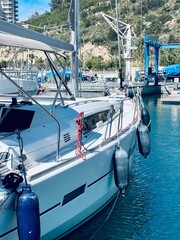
{"points": [[118, 38], [117, 20]]}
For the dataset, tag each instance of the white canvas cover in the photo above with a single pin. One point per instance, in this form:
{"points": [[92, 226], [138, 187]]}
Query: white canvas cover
{"points": [[17, 30], [15, 41]]}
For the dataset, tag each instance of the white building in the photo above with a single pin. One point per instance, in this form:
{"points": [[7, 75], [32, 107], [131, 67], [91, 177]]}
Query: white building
{"points": [[9, 10]]}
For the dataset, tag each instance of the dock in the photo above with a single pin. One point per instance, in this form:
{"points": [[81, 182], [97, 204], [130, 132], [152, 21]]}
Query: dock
{"points": [[98, 88], [173, 98]]}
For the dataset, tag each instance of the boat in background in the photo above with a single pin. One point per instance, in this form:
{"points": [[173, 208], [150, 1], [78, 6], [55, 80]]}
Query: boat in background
{"points": [[26, 79], [150, 89]]}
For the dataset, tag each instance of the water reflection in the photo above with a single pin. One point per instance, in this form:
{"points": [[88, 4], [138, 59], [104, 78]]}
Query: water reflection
{"points": [[150, 209]]}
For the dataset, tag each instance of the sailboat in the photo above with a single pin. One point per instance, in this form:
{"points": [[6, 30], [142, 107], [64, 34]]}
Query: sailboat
{"points": [[62, 159], [25, 79]]}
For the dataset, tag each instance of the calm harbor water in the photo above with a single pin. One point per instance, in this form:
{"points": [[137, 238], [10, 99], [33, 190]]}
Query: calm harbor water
{"points": [[150, 209]]}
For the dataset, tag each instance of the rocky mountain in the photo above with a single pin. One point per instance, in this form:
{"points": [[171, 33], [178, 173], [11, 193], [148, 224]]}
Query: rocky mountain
{"points": [[159, 19]]}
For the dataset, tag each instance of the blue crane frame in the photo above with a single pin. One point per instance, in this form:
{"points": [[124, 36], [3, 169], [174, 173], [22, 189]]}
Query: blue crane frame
{"points": [[149, 42]]}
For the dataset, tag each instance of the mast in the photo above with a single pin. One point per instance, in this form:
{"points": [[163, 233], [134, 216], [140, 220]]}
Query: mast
{"points": [[74, 26]]}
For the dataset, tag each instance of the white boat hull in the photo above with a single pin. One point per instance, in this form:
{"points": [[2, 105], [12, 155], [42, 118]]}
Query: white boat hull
{"points": [[63, 150], [67, 198]]}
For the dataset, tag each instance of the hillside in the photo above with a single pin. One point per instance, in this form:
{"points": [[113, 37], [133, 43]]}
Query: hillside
{"points": [[98, 41]]}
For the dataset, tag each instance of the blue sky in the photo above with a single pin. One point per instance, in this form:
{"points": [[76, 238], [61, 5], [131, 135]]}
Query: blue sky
{"points": [[28, 7]]}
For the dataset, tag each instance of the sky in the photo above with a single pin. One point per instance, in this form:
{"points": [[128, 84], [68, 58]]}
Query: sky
{"points": [[28, 7]]}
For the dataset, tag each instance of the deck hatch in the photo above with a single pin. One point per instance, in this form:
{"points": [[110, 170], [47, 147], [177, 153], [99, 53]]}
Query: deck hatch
{"points": [[72, 195], [67, 137]]}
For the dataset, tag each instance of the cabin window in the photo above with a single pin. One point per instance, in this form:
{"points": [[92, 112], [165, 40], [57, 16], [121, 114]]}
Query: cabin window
{"points": [[89, 123], [86, 126], [93, 120], [102, 116]]}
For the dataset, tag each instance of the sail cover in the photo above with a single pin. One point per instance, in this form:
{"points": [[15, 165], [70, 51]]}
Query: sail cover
{"points": [[19, 31], [15, 41], [172, 70]]}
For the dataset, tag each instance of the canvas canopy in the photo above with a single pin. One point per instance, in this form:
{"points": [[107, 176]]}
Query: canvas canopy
{"points": [[16, 30], [15, 41]]}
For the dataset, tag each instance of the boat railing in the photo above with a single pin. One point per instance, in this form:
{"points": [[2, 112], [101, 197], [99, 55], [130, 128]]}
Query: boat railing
{"points": [[83, 101], [138, 102], [21, 74], [110, 118]]}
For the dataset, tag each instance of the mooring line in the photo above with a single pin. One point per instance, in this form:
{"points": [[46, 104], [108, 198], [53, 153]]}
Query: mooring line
{"points": [[106, 217]]}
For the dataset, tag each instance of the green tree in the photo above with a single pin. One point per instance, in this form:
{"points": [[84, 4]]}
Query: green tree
{"points": [[154, 4], [169, 56], [31, 57], [3, 64], [40, 63], [56, 4]]}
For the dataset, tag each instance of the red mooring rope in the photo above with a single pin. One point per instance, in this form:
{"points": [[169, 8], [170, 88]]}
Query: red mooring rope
{"points": [[79, 145]]}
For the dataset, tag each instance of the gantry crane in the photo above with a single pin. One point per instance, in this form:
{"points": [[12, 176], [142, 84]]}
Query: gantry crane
{"points": [[127, 37], [149, 42]]}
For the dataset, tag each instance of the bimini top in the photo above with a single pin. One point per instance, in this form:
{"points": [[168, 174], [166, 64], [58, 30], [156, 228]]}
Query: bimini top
{"points": [[15, 41], [14, 29]]}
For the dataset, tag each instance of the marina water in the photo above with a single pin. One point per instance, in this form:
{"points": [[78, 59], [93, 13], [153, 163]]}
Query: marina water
{"points": [[150, 208]]}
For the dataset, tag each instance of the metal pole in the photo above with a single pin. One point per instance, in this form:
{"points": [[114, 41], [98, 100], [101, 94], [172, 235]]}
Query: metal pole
{"points": [[119, 48], [75, 42], [117, 19], [146, 55]]}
